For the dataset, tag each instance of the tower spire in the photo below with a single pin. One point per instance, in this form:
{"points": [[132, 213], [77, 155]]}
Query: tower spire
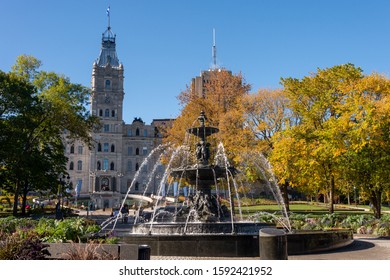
{"points": [[108, 54]]}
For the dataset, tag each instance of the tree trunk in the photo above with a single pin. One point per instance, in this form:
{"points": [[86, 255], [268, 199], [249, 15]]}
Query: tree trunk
{"points": [[16, 199], [376, 199], [284, 191], [331, 194]]}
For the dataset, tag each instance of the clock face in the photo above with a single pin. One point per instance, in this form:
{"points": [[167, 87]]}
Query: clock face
{"points": [[107, 99]]}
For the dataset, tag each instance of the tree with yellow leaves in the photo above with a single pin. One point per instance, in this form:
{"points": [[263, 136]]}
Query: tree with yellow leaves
{"points": [[222, 102], [318, 100]]}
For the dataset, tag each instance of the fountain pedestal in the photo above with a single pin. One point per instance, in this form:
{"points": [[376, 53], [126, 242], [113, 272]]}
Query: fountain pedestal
{"points": [[202, 175]]}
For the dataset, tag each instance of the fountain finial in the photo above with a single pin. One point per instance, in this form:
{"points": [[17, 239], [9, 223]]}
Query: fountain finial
{"points": [[202, 118]]}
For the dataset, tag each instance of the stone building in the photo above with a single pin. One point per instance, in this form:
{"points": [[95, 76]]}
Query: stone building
{"points": [[104, 173]]}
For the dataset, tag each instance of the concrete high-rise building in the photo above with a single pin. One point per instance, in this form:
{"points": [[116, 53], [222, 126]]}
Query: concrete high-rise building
{"points": [[104, 173]]}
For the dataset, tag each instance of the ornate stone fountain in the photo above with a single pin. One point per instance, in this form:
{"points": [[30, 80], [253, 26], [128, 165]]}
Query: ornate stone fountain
{"points": [[203, 175], [204, 214]]}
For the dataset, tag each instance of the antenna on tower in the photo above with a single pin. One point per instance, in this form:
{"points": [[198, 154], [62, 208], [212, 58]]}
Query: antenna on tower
{"points": [[214, 52]]}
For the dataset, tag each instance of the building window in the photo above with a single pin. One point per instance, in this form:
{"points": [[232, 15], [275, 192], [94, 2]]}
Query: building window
{"points": [[145, 151], [105, 164], [129, 132], [99, 165], [105, 147], [129, 166], [106, 128], [145, 133], [80, 150], [79, 165], [108, 84], [100, 113], [107, 113], [113, 113], [137, 151], [71, 165], [129, 151], [112, 148], [112, 166], [136, 186], [137, 132], [72, 149], [99, 147], [136, 166]]}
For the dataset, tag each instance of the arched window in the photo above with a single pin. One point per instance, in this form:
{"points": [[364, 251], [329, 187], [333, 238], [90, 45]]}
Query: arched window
{"points": [[137, 132], [107, 113], [105, 164], [100, 113], [79, 165], [99, 147], [112, 148], [72, 149], [99, 166], [137, 151], [113, 113], [112, 166], [136, 166], [71, 165], [108, 84]]}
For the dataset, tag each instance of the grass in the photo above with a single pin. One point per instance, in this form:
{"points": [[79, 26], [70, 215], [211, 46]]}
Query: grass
{"points": [[304, 207]]}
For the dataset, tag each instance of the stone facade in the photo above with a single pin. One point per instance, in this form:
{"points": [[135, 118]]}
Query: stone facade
{"points": [[105, 172]]}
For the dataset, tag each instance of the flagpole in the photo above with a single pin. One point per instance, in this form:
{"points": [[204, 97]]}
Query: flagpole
{"points": [[108, 15]]}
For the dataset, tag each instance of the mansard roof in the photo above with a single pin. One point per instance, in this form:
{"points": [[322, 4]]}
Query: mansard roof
{"points": [[108, 54]]}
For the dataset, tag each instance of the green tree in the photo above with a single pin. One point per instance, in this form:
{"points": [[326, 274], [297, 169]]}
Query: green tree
{"points": [[48, 111]]}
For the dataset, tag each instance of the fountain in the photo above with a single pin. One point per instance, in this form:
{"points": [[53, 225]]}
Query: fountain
{"points": [[204, 226], [204, 213]]}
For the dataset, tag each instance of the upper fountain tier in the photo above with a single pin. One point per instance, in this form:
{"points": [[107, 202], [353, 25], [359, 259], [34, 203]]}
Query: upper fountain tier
{"points": [[202, 131]]}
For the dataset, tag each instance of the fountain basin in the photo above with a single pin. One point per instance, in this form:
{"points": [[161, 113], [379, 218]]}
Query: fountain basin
{"points": [[237, 245], [196, 228], [314, 241]]}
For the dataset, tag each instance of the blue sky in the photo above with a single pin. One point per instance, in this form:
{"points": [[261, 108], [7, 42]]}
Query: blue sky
{"points": [[164, 43]]}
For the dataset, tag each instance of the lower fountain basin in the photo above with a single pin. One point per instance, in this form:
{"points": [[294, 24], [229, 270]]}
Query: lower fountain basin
{"points": [[237, 245], [198, 228]]}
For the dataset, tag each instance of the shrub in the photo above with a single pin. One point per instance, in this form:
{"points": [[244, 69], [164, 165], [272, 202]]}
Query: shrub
{"points": [[22, 246], [11, 224], [89, 251], [71, 229]]}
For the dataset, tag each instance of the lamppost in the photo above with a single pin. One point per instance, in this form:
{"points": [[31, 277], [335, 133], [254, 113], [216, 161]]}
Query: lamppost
{"points": [[64, 181]]}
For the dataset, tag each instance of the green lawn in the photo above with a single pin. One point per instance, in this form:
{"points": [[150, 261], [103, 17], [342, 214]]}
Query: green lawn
{"points": [[305, 207]]}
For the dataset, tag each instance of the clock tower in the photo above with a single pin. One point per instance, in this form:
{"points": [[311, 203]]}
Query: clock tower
{"points": [[107, 104]]}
